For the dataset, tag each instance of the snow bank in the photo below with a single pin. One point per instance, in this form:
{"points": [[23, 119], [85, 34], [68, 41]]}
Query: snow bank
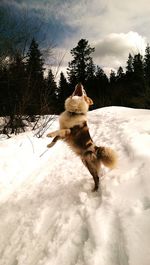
{"points": [[49, 216]]}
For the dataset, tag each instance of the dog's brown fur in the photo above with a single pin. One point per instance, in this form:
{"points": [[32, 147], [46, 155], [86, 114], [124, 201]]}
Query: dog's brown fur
{"points": [[75, 132]]}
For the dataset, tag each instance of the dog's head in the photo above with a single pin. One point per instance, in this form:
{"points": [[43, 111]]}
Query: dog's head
{"points": [[78, 102]]}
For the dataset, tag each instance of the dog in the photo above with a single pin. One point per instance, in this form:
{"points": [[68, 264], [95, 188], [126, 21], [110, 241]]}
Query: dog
{"points": [[75, 132]]}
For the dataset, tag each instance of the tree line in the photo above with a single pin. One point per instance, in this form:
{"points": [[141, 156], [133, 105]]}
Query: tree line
{"points": [[24, 89], [129, 87]]}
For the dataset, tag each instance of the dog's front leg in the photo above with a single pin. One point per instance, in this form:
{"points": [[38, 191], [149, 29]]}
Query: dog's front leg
{"points": [[61, 133], [56, 138]]}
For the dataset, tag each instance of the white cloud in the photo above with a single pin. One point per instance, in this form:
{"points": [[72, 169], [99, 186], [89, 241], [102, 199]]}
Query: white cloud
{"points": [[95, 19], [113, 50], [113, 27]]}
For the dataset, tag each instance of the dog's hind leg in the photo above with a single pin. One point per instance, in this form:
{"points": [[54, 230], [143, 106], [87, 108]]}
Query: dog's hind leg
{"points": [[90, 161]]}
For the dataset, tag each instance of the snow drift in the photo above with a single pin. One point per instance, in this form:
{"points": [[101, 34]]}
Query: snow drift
{"points": [[49, 216]]}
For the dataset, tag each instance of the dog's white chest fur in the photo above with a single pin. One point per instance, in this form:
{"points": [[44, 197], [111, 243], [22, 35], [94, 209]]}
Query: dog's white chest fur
{"points": [[67, 121], [79, 107]]}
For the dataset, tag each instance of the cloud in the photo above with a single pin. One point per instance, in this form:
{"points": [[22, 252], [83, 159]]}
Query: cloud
{"points": [[114, 28], [42, 18], [113, 49], [97, 18], [66, 21]]}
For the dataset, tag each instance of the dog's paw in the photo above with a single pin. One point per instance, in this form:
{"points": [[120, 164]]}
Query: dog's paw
{"points": [[50, 145], [52, 134], [95, 188]]}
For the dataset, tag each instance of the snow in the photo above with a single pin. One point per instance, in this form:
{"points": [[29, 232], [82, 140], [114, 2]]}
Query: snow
{"points": [[49, 216]]}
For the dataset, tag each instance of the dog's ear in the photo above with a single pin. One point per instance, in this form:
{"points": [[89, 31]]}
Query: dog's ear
{"points": [[88, 100]]}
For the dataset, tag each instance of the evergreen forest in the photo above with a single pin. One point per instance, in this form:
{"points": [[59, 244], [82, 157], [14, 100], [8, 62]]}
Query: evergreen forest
{"points": [[25, 90]]}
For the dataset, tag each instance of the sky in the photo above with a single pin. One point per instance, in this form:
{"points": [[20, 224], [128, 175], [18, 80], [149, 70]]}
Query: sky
{"points": [[115, 28]]}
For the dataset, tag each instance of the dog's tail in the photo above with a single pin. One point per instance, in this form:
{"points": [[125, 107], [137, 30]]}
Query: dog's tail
{"points": [[107, 156]]}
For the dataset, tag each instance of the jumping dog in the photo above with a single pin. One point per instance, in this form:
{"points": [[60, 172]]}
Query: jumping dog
{"points": [[75, 132]]}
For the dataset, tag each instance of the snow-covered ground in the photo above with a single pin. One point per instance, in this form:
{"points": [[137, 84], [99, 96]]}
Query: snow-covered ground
{"points": [[48, 214]]}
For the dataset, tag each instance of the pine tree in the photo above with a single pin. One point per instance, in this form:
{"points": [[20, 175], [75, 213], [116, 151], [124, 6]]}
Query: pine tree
{"points": [[91, 70], [129, 67], [100, 75], [13, 104], [113, 77], [51, 93], [34, 61], [120, 73], [77, 70], [51, 84], [36, 88], [138, 66], [139, 81], [16, 86], [90, 83], [63, 91], [147, 63], [129, 74], [113, 91], [101, 87], [3, 89], [135, 83], [147, 73]]}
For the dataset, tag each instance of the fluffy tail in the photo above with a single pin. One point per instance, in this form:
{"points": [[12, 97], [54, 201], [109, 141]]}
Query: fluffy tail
{"points": [[107, 156]]}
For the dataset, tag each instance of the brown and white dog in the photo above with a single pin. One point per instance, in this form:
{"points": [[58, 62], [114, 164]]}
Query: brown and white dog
{"points": [[75, 132]]}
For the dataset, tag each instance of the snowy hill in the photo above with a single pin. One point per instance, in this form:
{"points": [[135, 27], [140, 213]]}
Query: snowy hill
{"points": [[49, 216]]}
